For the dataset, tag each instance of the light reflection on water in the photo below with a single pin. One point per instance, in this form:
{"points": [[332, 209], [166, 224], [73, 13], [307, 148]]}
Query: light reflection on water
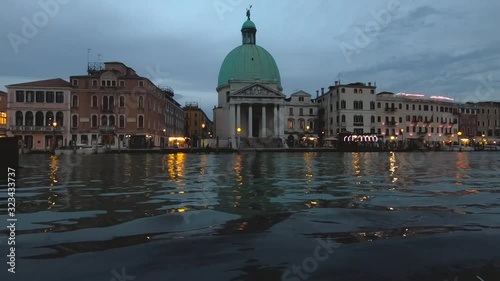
{"points": [[261, 190]]}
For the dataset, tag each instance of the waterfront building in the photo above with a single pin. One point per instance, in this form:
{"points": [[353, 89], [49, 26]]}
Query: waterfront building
{"points": [[3, 114], [39, 113], [467, 120], [407, 116], [488, 119], [174, 118], [113, 105], [250, 97], [347, 108], [198, 125], [301, 115]]}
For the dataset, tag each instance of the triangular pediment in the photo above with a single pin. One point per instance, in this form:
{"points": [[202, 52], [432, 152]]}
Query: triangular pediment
{"points": [[258, 90]]}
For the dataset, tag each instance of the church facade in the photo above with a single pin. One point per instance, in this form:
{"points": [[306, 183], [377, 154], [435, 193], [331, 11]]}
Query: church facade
{"points": [[250, 96]]}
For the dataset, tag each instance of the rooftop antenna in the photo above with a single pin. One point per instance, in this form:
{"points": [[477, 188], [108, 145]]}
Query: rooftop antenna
{"points": [[88, 55]]}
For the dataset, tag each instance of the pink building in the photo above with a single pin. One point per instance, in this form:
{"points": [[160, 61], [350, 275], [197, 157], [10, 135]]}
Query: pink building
{"points": [[39, 112]]}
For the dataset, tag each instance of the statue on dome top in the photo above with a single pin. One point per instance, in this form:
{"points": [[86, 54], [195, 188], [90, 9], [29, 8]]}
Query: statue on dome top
{"points": [[248, 12]]}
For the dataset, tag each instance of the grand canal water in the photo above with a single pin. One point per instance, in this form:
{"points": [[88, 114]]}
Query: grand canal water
{"points": [[257, 216]]}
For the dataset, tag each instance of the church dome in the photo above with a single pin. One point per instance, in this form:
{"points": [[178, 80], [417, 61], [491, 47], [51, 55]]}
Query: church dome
{"points": [[249, 62]]}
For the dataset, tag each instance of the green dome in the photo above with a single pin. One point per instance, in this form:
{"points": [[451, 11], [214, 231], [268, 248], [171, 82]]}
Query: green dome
{"points": [[249, 62], [248, 24]]}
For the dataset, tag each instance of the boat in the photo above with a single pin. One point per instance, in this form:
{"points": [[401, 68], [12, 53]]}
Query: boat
{"points": [[455, 147], [81, 149]]}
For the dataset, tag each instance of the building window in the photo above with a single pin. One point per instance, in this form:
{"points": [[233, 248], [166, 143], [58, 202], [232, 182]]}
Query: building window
{"points": [[302, 124], [103, 83], [140, 121], [121, 123], [30, 96], [104, 120], [3, 118], [342, 104], [40, 96], [122, 83], [49, 96], [311, 111], [59, 97], [113, 83], [372, 91], [358, 120], [74, 82], [111, 120], [93, 122], [122, 101], [379, 119], [342, 90], [372, 105], [19, 96], [141, 102], [94, 83], [301, 111], [358, 104], [94, 101], [301, 98], [74, 121], [141, 83], [343, 119], [290, 111], [373, 119], [74, 101], [19, 118], [290, 124], [360, 91]]}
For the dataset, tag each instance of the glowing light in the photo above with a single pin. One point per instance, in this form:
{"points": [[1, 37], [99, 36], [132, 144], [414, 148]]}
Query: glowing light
{"points": [[410, 95], [441, 98], [361, 138]]}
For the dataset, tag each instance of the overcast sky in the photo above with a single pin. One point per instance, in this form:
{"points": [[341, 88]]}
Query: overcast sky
{"points": [[449, 48]]}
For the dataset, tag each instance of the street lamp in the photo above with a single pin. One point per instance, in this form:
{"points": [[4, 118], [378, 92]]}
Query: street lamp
{"points": [[239, 137], [307, 128], [459, 134], [202, 135], [54, 125], [402, 136]]}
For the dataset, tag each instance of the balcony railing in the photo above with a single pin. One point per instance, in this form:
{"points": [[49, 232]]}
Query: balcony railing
{"points": [[390, 123], [390, 109], [36, 128], [107, 128]]}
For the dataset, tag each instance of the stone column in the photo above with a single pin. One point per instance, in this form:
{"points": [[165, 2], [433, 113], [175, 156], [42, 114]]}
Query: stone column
{"points": [[250, 121], [238, 116], [281, 121], [264, 127], [275, 120]]}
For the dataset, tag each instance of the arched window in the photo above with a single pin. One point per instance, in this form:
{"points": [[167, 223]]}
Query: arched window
{"points": [[74, 121], [19, 118], [372, 105], [122, 121], [122, 101], [29, 119], [358, 119], [39, 118], [104, 120], [105, 104], [74, 101], [94, 101], [310, 123], [112, 120], [49, 118], [343, 118], [373, 119], [140, 121], [94, 121], [111, 103], [290, 123], [302, 124], [342, 104], [60, 118], [141, 102]]}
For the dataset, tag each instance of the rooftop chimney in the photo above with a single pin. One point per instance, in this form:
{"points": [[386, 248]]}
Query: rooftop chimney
{"points": [[369, 83], [322, 91], [317, 93], [336, 83]]}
